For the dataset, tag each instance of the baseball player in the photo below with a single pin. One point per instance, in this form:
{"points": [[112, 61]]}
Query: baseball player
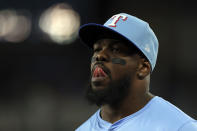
{"points": [[125, 52]]}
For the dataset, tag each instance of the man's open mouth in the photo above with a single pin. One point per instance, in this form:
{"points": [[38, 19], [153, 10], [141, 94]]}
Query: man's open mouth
{"points": [[98, 72]]}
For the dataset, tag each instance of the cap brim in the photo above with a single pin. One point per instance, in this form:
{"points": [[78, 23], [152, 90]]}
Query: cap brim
{"points": [[90, 33]]}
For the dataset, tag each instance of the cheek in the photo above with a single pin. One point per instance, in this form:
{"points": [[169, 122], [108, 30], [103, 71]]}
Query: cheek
{"points": [[118, 61], [91, 65], [119, 71]]}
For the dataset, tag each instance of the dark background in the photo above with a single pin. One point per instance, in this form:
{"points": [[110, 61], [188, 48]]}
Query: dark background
{"points": [[41, 87]]}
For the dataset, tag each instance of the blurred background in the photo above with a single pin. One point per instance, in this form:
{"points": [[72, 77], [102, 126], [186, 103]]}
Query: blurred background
{"points": [[44, 66]]}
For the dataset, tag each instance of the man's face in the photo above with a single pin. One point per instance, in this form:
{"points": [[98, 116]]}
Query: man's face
{"points": [[113, 68]]}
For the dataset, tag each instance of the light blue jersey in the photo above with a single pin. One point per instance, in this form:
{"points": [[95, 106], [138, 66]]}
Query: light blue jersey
{"points": [[157, 115]]}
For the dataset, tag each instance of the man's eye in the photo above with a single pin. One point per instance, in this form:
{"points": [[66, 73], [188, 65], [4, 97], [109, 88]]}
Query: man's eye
{"points": [[97, 50], [115, 50]]}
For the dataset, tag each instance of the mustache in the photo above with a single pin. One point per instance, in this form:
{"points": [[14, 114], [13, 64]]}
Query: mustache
{"points": [[101, 64]]}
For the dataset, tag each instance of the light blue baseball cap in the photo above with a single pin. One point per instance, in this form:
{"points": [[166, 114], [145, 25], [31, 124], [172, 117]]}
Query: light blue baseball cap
{"points": [[125, 26]]}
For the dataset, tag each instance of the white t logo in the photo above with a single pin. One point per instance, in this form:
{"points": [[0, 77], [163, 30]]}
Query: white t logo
{"points": [[116, 18]]}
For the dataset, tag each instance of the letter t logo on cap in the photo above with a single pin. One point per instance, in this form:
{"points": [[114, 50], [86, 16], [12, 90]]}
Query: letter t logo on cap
{"points": [[116, 18]]}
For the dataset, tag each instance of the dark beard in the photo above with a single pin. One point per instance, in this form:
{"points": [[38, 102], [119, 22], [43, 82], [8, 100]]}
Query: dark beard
{"points": [[112, 95]]}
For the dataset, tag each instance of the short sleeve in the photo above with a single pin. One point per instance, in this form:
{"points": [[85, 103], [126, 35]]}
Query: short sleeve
{"points": [[189, 126]]}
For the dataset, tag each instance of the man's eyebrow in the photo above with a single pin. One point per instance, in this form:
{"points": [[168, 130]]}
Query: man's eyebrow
{"points": [[97, 42]]}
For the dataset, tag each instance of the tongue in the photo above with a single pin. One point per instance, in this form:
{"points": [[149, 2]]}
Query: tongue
{"points": [[98, 72]]}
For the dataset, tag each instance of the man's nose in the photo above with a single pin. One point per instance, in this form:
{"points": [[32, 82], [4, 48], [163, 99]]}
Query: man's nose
{"points": [[102, 56]]}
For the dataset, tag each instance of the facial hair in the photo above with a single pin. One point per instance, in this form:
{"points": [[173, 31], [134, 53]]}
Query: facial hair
{"points": [[112, 95]]}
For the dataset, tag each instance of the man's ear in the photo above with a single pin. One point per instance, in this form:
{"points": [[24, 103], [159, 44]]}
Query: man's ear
{"points": [[144, 68]]}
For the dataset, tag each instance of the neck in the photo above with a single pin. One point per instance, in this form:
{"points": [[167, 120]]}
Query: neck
{"points": [[137, 99]]}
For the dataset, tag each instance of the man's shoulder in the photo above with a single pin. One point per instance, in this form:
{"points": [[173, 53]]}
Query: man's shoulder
{"points": [[168, 114], [88, 124], [171, 111], [162, 115], [189, 126]]}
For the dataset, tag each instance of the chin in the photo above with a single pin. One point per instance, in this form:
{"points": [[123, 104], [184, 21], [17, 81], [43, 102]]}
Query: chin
{"points": [[108, 92]]}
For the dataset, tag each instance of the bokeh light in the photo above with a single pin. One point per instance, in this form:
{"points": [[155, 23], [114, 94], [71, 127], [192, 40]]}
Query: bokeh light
{"points": [[15, 26], [61, 23]]}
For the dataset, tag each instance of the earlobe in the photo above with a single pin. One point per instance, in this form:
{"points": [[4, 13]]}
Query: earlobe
{"points": [[140, 76], [144, 69]]}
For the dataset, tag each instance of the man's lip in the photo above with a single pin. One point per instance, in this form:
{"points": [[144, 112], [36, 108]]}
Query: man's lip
{"points": [[100, 66], [96, 79]]}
